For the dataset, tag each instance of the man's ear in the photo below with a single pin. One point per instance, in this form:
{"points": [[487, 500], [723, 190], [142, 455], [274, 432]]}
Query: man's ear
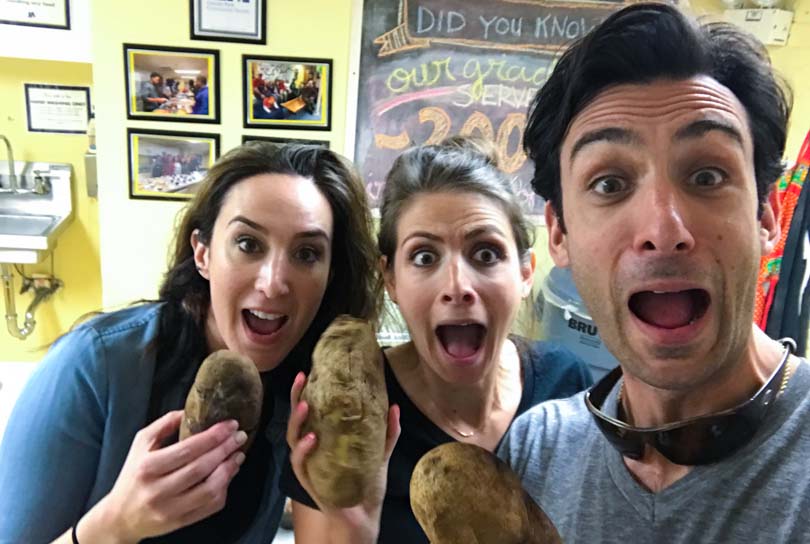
{"points": [[769, 229], [388, 279], [527, 269], [557, 239], [201, 253]]}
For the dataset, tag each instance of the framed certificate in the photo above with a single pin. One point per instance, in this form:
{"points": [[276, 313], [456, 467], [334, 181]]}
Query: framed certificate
{"points": [[243, 21], [57, 108], [50, 14]]}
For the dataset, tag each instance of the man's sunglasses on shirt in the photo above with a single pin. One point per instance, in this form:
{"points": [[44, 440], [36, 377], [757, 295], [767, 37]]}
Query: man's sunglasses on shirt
{"points": [[699, 440]]}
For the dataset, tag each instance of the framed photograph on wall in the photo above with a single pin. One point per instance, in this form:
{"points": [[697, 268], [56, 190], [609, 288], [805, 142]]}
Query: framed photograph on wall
{"points": [[171, 84], [287, 92], [50, 14], [57, 108], [166, 165], [249, 138], [243, 21]]}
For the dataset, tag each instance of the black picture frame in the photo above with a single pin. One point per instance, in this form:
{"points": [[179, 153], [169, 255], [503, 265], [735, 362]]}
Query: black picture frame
{"points": [[293, 107], [277, 140], [178, 112], [176, 185], [196, 6], [65, 26], [82, 89]]}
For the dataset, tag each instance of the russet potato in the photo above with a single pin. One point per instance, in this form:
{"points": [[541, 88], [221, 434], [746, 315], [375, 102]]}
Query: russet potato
{"points": [[463, 494], [227, 386], [348, 408]]}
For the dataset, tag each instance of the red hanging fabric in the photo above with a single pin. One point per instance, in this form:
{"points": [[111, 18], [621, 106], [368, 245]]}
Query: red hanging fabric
{"points": [[786, 197]]}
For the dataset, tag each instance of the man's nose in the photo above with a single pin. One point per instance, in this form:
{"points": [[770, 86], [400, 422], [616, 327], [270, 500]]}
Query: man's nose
{"points": [[662, 220]]}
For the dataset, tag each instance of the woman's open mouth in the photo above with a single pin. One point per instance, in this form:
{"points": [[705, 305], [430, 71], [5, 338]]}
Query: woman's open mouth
{"points": [[263, 324], [670, 309], [462, 341]]}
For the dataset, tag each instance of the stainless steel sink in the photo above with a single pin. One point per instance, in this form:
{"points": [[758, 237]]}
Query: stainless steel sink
{"points": [[32, 220], [26, 225]]}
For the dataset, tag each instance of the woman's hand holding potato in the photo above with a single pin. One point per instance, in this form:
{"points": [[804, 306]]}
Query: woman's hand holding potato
{"points": [[356, 524], [161, 489]]}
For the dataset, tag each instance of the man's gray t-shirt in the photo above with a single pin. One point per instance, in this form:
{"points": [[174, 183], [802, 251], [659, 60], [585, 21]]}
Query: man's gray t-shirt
{"points": [[760, 494]]}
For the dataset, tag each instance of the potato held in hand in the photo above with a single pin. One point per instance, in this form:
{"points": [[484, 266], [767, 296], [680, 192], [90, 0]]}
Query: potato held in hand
{"points": [[348, 409], [463, 494], [227, 386]]}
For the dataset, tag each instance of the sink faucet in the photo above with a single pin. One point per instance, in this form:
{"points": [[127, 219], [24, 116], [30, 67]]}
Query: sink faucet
{"points": [[41, 185], [12, 176]]}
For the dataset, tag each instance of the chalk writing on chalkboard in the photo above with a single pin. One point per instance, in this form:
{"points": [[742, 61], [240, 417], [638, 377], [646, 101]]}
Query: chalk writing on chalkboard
{"points": [[433, 68]]}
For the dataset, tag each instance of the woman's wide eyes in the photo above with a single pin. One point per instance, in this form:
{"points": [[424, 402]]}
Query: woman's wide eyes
{"points": [[423, 258]]}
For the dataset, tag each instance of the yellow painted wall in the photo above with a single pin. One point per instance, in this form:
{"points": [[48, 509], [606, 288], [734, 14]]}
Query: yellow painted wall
{"points": [[77, 251], [135, 234], [791, 60], [132, 236]]}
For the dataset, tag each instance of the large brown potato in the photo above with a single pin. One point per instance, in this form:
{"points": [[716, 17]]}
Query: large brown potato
{"points": [[348, 407], [463, 494], [227, 386]]}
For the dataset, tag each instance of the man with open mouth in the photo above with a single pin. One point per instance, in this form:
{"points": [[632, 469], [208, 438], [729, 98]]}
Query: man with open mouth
{"points": [[656, 142]]}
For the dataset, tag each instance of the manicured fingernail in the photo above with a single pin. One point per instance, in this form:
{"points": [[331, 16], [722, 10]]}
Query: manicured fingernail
{"points": [[240, 437], [240, 458], [233, 425], [310, 437]]}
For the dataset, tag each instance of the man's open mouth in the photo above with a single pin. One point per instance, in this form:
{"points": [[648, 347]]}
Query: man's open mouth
{"points": [[670, 309]]}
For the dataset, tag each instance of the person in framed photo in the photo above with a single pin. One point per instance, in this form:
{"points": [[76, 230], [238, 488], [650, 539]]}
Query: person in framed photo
{"points": [[276, 244], [310, 94], [152, 94], [200, 96]]}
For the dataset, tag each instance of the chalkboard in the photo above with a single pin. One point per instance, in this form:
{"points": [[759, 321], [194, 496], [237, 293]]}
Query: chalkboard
{"points": [[433, 68]]}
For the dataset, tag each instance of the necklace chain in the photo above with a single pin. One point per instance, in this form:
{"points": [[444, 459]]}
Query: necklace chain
{"points": [[463, 434], [785, 378]]}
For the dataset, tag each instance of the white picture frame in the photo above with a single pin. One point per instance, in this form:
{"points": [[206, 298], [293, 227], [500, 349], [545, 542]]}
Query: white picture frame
{"points": [[58, 109], [52, 14], [241, 21]]}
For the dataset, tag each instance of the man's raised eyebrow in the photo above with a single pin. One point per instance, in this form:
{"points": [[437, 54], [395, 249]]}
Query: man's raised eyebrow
{"points": [[610, 134], [701, 127]]}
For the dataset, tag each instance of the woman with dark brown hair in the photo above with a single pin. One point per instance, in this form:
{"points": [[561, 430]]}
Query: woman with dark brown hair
{"points": [[276, 244]]}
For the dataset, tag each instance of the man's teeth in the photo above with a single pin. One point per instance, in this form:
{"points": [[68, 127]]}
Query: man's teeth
{"points": [[262, 315]]}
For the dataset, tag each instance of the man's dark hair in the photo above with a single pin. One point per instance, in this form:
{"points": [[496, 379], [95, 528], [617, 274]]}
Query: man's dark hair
{"points": [[639, 44], [155, 74], [203, 80]]}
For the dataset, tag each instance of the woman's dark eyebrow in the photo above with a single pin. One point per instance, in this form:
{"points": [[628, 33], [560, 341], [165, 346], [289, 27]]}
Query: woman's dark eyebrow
{"points": [[248, 222], [313, 233], [310, 233]]}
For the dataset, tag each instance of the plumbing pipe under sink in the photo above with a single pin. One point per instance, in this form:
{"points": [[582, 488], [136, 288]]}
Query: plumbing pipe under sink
{"points": [[42, 292]]}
